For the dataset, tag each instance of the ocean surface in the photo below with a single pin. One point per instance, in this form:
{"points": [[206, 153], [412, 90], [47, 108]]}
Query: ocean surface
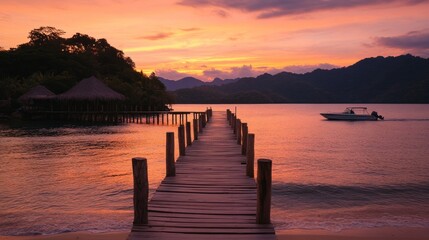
{"points": [[333, 175]]}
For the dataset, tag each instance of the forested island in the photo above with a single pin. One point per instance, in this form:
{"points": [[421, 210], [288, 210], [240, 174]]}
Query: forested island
{"points": [[59, 63]]}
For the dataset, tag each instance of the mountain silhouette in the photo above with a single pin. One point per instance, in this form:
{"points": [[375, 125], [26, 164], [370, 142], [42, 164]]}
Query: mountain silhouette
{"points": [[402, 79], [190, 82]]}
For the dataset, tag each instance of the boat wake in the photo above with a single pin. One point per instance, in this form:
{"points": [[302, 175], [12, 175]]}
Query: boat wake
{"points": [[407, 119]]}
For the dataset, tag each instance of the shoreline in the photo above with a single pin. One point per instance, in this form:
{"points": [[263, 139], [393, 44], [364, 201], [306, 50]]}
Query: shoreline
{"points": [[391, 233], [73, 236]]}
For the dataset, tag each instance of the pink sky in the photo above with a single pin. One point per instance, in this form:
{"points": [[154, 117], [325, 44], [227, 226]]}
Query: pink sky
{"points": [[227, 38]]}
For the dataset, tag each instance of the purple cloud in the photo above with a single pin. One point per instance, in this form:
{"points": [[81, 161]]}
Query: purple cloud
{"points": [[221, 13], [411, 41], [234, 72], [307, 68], [275, 8], [241, 71], [249, 71], [170, 74]]}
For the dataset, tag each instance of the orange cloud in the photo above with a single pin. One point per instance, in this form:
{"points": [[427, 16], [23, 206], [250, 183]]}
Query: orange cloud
{"points": [[157, 36], [267, 35]]}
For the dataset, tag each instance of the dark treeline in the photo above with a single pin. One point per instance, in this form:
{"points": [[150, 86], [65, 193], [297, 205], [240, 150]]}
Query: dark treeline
{"points": [[59, 63], [403, 79]]}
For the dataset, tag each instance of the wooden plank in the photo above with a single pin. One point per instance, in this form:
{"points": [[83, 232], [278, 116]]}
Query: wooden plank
{"points": [[205, 230], [181, 236], [218, 225], [210, 197]]}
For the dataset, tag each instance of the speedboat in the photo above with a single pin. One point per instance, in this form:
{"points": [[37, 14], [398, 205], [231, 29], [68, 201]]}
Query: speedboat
{"points": [[353, 114]]}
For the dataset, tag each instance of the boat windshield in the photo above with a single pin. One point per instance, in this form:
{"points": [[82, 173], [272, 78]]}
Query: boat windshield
{"points": [[356, 110]]}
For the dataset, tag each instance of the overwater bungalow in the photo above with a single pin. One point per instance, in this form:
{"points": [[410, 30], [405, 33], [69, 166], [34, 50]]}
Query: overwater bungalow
{"points": [[36, 98], [89, 95], [90, 100]]}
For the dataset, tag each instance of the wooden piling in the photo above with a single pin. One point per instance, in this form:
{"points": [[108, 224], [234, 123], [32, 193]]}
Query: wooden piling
{"points": [[234, 121], [238, 126], [188, 134], [181, 136], [195, 126], [250, 172], [200, 124], [244, 140], [204, 118], [141, 191], [263, 205], [170, 164]]}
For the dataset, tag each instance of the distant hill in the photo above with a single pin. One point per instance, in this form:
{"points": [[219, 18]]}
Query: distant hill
{"points": [[187, 82], [402, 79], [190, 82]]}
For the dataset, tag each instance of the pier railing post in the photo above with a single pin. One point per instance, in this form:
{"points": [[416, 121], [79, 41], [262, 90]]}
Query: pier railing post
{"points": [[181, 136], [244, 140], [238, 126], [188, 134], [141, 191], [208, 115], [263, 207], [204, 116], [170, 164], [234, 123], [250, 172], [195, 126]]}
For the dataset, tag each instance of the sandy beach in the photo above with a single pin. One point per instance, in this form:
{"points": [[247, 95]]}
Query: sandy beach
{"points": [[295, 234]]}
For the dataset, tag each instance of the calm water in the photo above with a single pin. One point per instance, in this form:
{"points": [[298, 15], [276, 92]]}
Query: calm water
{"points": [[326, 175]]}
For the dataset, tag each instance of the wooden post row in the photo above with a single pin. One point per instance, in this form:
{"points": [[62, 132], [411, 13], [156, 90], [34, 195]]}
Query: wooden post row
{"points": [[169, 158], [188, 134], [195, 126], [181, 137], [244, 140], [250, 154], [264, 182], [141, 191]]}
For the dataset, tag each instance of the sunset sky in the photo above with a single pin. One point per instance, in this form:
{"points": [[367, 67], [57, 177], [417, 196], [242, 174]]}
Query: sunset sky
{"points": [[231, 38]]}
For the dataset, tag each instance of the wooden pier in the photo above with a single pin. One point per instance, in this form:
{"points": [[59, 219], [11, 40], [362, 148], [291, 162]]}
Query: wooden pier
{"points": [[208, 193], [143, 117]]}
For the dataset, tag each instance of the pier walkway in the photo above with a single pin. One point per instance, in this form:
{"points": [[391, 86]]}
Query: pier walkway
{"points": [[210, 197]]}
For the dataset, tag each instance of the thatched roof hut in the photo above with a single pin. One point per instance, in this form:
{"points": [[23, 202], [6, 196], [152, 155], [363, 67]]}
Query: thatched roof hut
{"points": [[91, 89], [37, 92]]}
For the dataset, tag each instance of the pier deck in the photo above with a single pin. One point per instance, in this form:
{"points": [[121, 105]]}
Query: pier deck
{"points": [[210, 197]]}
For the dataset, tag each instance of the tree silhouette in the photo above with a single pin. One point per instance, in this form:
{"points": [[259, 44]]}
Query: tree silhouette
{"points": [[44, 35], [59, 63]]}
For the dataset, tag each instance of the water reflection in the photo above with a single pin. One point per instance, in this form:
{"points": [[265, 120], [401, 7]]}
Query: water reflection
{"points": [[323, 171], [83, 172]]}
